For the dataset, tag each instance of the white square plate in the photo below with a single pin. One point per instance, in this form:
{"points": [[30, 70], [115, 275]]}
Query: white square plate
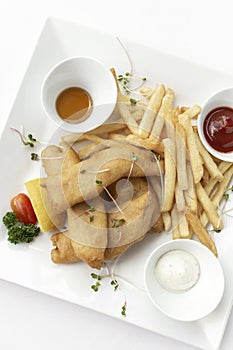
{"points": [[30, 265]]}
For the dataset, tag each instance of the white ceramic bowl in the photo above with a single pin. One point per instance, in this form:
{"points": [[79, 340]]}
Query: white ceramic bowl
{"points": [[197, 302], [218, 99], [86, 73]]}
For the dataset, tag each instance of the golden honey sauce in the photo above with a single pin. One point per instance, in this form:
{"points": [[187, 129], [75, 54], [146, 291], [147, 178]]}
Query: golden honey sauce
{"points": [[74, 105]]}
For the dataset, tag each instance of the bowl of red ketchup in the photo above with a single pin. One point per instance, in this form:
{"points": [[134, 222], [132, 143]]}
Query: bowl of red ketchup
{"points": [[215, 124]]}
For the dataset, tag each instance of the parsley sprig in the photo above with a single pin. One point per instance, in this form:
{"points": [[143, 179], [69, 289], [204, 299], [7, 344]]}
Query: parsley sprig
{"points": [[18, 232]]}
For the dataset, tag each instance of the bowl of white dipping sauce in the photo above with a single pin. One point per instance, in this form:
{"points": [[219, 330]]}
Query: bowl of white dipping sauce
{"points": [[184, 279]]}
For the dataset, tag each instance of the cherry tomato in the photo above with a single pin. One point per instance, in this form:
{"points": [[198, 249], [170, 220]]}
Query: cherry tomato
{"points": [[22, 207]]}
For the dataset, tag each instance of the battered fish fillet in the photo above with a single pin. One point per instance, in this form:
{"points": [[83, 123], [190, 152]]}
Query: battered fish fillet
{"points": [[78, 183], [64, 252], [84, 242], [55, 159], [130, 227], [86, 238]]}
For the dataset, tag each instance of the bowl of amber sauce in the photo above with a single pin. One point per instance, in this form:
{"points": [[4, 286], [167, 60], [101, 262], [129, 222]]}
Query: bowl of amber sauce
{"points": [[79, 94], [215, 124]]}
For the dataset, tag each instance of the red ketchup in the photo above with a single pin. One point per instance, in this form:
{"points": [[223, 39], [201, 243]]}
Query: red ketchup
{"points": [[218, 129]]}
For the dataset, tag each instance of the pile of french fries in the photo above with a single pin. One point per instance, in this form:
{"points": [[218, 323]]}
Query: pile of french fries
{"points": [[194, 181]]}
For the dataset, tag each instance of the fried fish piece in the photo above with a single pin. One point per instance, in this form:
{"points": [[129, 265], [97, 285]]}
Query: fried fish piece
{"points": [[63, 252], [86, 238], [87, 179], [130, 227], [57, 158]]}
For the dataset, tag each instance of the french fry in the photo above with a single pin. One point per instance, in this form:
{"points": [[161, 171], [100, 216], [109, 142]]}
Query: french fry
{"points": [[184, 229], [181, 159], [156, 184], [218, 196], [165, 108], [190, 193], [174, 116], [183, 109], [167, 222], [147, 92], [209, 208], [127, 118], [175, 223], [102, 129], [137, 115], [223, 167], [206, 177], [200, 231], [114, 136], [150, 143], [170, 174], [179, 196], [208, 161], [151, 112], [195, 159], [191, 112], [84, 151]]}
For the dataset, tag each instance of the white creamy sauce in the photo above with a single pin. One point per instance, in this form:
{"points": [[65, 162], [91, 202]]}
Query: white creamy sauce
{"points": [[177, 271]]}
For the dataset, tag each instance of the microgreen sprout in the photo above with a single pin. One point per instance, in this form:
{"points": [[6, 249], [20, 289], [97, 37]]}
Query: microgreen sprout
{"points": [[115, 284], [226, 196], [96, 286], [133, 102], [34, 156], [100, 183], [123, 310], [97, 277], [90, 211], [92, 208], [28, 140], [133, 159], [118, 223], [113, 281], [124, 80], [91, 217]]}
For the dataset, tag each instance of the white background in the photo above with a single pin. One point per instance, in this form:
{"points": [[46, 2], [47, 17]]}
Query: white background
{"points": [[200, 31]]}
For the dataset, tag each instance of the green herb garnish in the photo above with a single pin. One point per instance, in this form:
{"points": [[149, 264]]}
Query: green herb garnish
{"points": [[95, 276], [34, 156], [99, 182], [18, 232], [226, 196], [119, 223], [91, 217], [123, 310], [115, 284], [96, 286], [10, 219], [92, 208], [28, 140], [133, 102]]}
